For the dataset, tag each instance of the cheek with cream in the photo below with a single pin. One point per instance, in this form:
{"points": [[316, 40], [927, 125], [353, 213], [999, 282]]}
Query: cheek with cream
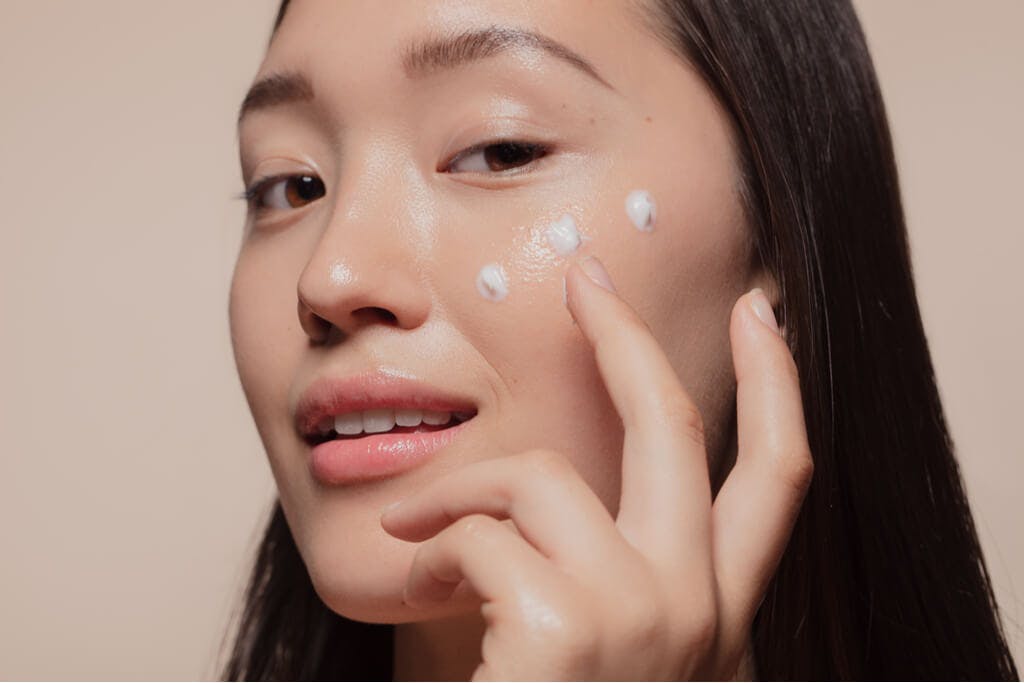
{"points": [[563, 236], [560, 236], [564, 239]]}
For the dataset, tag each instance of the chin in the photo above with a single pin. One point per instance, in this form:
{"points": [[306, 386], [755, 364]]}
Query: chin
{"points": [[361, 577]]}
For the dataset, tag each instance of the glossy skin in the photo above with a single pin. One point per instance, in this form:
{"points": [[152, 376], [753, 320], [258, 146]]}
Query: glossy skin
{"points": [[389, 257]]}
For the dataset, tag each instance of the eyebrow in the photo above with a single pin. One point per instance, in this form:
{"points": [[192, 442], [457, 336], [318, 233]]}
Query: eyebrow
{"points": [[448, 52], [423, 58], [276, 89]]}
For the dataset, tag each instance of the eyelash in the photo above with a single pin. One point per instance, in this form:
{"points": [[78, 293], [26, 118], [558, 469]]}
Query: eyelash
{"points": [[537, 148], [250, 194], [540, 150]]}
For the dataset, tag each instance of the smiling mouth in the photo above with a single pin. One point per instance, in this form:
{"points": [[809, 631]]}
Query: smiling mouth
{"points": [[370, 429]]}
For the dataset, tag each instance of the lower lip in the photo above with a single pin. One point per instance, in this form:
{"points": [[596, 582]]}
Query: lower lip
{"points": [[348, 461]]}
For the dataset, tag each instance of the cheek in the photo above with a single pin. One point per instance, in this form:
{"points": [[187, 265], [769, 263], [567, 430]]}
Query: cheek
{"points": [[675, 250], [266, 338], [509, 303], [685, 278]]}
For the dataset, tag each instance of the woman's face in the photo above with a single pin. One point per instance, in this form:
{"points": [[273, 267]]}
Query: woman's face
{"points": [[377, 272]]}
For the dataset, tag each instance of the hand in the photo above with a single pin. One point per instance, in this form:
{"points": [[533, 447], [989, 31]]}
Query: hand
{"points": [[668, 589]]}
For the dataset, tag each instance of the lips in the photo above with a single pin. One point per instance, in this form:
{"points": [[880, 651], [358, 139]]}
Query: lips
{"points": [[338, 458], [329, 397]]}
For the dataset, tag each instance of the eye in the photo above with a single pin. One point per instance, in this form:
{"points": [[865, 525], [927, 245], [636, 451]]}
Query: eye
{"points": [[284, 192], [498, 156]]}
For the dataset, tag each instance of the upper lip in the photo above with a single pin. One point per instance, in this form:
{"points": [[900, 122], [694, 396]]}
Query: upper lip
{"points": [[330, 396]]}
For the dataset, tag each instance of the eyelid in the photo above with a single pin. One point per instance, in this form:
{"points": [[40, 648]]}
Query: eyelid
{"points": [[544, 149]]}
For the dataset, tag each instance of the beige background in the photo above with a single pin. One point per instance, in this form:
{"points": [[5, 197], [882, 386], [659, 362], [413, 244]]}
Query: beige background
{"points": [[133, 483]]}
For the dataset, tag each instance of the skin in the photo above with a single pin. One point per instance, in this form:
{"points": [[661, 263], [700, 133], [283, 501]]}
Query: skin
{"points": [[570, 530]]}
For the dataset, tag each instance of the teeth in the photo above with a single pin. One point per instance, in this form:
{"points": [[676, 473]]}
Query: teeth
{"points": [[384, 420], [349, 423], [379, 420], [408, 418], [432, 418]]}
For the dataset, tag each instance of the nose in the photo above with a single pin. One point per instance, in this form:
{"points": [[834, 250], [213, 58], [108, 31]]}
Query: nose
{"points": [[357, 276]]}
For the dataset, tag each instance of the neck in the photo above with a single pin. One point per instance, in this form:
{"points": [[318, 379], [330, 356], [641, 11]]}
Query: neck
{"points": [[438, 650]]}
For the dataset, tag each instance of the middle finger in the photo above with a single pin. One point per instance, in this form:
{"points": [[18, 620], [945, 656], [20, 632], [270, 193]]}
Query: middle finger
{"points": [[665, 504]]}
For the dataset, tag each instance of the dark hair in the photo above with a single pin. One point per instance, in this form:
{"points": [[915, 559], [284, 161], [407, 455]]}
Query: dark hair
{"points": [[883, 577]]}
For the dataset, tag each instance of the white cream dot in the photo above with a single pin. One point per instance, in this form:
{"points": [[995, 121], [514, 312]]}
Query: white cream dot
{"points": [[641, 209], [491, 282], [563, 235]]}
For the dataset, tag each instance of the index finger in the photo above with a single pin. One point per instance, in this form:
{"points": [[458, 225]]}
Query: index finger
{"points": [[664, 508]]}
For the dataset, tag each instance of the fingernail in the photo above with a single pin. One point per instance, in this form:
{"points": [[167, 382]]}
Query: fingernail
{"points": [[597, 273], [763, 309]]}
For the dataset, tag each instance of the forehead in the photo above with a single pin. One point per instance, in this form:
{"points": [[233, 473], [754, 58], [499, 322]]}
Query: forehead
{"points": [[373, 40]]}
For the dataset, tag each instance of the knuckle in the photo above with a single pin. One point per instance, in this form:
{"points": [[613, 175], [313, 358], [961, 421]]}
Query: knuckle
{"points": [[644, 619], [685, 416], [794, 468], [476, 527], [576, 637], [703, 630], [562, 623], [798, 470], [695, 620], [548, 464]]}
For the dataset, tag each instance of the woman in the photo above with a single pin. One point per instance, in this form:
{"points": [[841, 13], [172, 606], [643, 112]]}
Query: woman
{"points": [[619, 471]]}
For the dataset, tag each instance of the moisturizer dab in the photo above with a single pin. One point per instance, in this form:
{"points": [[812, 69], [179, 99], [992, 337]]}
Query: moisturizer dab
{"points": [[563, 236], [641, 209], [491, 282]]}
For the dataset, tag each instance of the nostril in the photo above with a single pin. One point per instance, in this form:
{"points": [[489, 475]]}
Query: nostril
{"points": [[322, 330], [315, 327], [384, 314]]}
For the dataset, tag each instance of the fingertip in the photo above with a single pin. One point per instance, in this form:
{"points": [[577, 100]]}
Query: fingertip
{"points": [[571, 290], [762, 309], [385, 523], [595, 270], [753, 323], [390, 521], [755, 335]]}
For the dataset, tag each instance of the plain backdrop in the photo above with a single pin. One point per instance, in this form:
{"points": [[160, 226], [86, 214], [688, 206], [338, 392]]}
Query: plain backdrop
{"points": [[134, 486]]}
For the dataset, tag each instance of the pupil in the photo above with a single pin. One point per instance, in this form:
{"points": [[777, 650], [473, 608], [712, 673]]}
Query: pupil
{"points": [[506, 154], [305, 188]]}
